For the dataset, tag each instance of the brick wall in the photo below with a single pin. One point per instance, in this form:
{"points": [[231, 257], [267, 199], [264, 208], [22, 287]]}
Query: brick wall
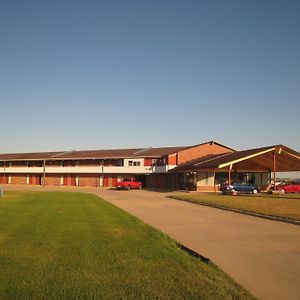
{"points": [[88, 180], [208, 188], [200, 151], [52, 180], [3, 179], [34, 179], [18, 179]]}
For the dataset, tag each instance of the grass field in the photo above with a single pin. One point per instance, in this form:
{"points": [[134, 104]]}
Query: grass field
{"points": [[59, 245], [287, 205]]}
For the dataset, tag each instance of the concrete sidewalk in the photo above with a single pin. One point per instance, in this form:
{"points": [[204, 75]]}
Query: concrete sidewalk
{"points": [[262, 255]]}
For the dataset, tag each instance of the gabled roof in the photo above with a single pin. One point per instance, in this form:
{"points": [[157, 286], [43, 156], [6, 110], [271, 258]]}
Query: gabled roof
{"points": [[286, 159], [212, 142]]}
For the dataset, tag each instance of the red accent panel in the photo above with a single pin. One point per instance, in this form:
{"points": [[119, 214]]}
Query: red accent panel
{"points": [[73, 183], [148, 162], [105, 181], [172, 159], [114, 181]]}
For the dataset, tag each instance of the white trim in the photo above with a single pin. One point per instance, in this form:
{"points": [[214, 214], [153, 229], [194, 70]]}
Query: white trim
{"points": [[101, 181], [293, 155], [244, 158]]}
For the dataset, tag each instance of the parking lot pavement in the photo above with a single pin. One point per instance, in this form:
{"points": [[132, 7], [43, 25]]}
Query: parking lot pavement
{"points": [[260, 254]]}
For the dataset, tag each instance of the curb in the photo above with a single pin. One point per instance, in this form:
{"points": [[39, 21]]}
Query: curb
{"points": [[244, 212], [192, 253]]}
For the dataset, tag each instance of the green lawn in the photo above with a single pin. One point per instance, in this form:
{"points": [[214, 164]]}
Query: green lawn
{"points": [[56, 245], [287, 205]]}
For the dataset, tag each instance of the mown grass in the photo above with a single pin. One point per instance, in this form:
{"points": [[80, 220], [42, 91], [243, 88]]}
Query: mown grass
{"points": [[56, 245], [287, 206]]}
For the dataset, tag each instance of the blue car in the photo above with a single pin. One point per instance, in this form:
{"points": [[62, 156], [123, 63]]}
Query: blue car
{"points": [[239, 187]]}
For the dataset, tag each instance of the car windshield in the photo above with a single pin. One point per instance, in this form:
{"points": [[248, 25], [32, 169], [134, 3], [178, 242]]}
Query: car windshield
{"points": [[126, 180]]}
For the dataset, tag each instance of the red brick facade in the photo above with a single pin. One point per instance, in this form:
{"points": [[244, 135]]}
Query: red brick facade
{"points": [[200, 151], [162, 160]]}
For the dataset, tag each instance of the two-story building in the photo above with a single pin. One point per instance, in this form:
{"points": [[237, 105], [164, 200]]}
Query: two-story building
{"points": [[200, 167]]}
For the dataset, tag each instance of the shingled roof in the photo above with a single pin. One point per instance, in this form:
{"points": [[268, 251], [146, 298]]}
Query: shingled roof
{"points": [[287, 159], [93, 154]]}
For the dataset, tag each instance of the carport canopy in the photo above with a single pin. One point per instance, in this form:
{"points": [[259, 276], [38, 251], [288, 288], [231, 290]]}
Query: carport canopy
{"points": [[277, 158]]}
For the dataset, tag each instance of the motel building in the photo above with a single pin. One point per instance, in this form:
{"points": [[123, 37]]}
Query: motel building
{"points": [[201, 167]]}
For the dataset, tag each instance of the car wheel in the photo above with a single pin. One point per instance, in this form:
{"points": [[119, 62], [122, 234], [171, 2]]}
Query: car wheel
{"points": [[255, 191], [128, 188], [140, 187], [282, 191]]}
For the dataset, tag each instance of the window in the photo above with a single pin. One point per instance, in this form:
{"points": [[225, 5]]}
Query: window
{"points": [[134, 163], [119, 162]]}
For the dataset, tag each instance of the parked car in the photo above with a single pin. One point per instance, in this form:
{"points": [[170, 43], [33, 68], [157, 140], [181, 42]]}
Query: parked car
{"points": [[289, 187], [129, 183], [278, 183], [239, 187]]}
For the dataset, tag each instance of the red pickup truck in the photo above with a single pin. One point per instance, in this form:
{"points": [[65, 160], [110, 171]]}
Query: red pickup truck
{"points": [[129, 183]]}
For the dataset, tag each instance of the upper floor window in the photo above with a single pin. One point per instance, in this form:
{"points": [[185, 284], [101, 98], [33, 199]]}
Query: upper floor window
{"points": [[119, 162], [134, 163]]}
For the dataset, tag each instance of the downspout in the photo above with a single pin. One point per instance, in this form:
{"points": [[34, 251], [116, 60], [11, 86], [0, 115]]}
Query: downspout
{"points": [[274, 170], [4, 169], [44, 173]]}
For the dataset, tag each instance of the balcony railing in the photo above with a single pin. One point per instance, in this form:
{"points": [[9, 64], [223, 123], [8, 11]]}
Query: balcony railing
{"points": [[88, 170]]}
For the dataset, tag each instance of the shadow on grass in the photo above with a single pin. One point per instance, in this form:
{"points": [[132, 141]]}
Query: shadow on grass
{"points": [[193, 253]]}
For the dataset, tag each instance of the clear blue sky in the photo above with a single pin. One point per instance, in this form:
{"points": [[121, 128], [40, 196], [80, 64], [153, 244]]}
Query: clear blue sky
{"points": [[116, 74]]}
